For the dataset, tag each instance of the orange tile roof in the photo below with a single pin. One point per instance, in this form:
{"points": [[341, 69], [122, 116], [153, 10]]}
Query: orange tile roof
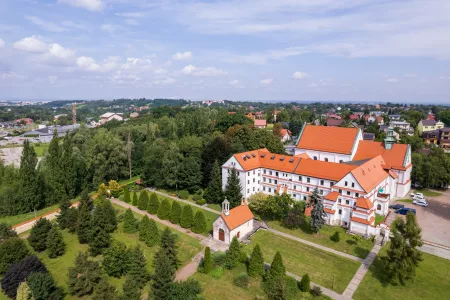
{"points": [[370, 173], [393, 175], [259, 122], [262, 158], [237, 216], [323, 169], [394, 157], [329, 211], [285, 131], [328, 139], [303, 155], [363, 221], [332, 196], [364, 203]]}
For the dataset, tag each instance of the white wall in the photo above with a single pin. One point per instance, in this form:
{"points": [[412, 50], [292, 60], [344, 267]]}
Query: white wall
{"points": [[244, 229], [220, 223]]}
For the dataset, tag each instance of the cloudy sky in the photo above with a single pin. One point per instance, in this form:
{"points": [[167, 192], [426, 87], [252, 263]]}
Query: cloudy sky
{"points": [[322, 50]]}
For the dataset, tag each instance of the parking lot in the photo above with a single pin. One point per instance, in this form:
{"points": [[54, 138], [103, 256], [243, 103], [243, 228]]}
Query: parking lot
{"points": [[433, 219]]}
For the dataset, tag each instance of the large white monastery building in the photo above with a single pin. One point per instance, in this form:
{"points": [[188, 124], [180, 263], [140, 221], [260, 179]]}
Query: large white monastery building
{"points": [[356, 178]]}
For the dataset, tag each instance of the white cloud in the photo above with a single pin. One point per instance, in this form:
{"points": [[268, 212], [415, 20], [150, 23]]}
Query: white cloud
{"points": [[76, 25], [110, 28], [236, 84], [165, 81], [87, 63], [204, 72], [2, 43], [58, 55], [92, 5], [392, 80], [300, 75], [267, 81], [132, 22], [182, 56], [131, 14], [31, 44], [46, 25], [160, 71]]}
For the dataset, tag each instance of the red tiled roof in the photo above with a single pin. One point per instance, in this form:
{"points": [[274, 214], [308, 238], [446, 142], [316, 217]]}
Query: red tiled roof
{"points": [[393, 175], [237, 216], [364, 203], [363, 221], [262, 158], [285, 131], [328, 139], [323, 169], [329, 211], [394, 157], [370, 173], [332, 196], [259, 122]]}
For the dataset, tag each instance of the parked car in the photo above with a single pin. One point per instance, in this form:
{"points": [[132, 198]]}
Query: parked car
{"points": [[421, 202], [417, 195], [418, 198], [405, 210], [396, 206]]}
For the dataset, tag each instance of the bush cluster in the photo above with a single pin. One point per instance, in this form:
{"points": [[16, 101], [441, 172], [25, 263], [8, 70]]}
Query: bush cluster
{"points": [[183, 194]]}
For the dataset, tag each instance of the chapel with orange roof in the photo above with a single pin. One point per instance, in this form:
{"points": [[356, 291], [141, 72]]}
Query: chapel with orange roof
{"points": [[356, 178]]}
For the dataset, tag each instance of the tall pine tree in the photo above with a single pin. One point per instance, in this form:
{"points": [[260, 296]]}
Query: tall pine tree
{"points": [[207, 261], [129, 222], [143, 200], [164, 210], [131, 289], [169, 247], [277, 268], [71, 181], [84, 220], [214, 193], [99, 234], [317, 214], [126, 195], [199, 225], [30, 196], [163, 276], [186, 217], [175, 213], [135, 199], [137, 266], [153, 204], [256, 264], [233, 189], [55, 243], [54, 172], [233, 254]]}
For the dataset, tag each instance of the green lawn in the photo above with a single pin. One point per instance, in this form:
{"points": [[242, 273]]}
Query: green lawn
{"points": [[428, 193], [405, 200], [217, 207], [432, 281], [41, 149], [379, 219], [346, 243], [210, 216], [324, 268], [128, 181]]}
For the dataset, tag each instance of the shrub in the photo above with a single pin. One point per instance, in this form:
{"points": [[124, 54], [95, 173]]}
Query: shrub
{"points": [[243, 258], [219, 258], [5, 232], [126, 195], [115, 188], [291, 287], [335, 237], [233, 254], [55, 243], [42, 286], [305, 284], [175, 213], [129, 222], [164, 210], [207, 261], [186, 217], [201, 202], [217, 272], [197, 197], [12, 251], [316, 291], [242, 280], [183, 194], [38, 235], [153, 204], [143, 201], [199, 225], [256, 264]]}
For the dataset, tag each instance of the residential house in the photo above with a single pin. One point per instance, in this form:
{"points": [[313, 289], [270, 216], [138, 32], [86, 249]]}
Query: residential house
{"points": [[286, 135], [235, 222], [334, 122], [380, 120], [134, 115], [354, 117], [259, 114], [431, 137], [394, 117], [356, 178], [260, 123], [402, 125], [107, 117], [444, 137], [250, 116], [429, 125]]}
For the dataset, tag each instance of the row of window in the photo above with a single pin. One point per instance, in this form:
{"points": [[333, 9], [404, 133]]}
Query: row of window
{"points": [[326, 159], [348, 193]]}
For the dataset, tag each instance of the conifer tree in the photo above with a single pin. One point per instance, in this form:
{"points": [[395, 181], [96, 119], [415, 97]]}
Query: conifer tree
{"points": [[131, 290], [199, 225], [163, 277], [99, 235], [42, 286], [277, 268], [12, 251], [317, 214], [84, 275], [143, 200], [233, 254], [104, 291], [72, 219], [84, 221], [55, 243], [164, 210], [214, 193], [62, 218], [403, 257], [115, 259], [169, 247], [153, 204], [207, 261], [129, 222], [305, 283], [144, 228], [23, 292], [233, 189], [148, 232], [135, 199], [54, 171], [186, 217], [39, 233], [69, 169], [256, 265], [137, 266], [110, 213], [126, 195], [175, 213], [28, 180]]}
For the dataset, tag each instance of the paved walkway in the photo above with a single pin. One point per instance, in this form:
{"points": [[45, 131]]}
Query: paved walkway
{"points": [[316, 245], [356, 280], [191, 268], [437, 250]]}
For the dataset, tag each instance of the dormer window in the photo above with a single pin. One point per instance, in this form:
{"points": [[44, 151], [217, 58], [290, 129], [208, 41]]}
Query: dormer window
{"points": [[315, 157]]}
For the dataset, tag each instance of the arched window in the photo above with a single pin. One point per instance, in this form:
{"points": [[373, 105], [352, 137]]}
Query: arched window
{"points": [[315, 157], [221, 235], [379, 207], [341, 161], [326, 159], [238, 235]]}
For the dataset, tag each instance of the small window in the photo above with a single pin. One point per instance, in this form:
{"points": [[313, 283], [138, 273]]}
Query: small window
{"points": [[326, 159], [276, 174], [353, 184], [248, 173], [348, 193], [340, 211], [346, 183], [270, 190], [253, 179], [248, 191], [340, 191], [339, 200], [294, 195], [321, 192], [331, 183], [356, 195], [248, 181], [253, 188], [379, 206], [264, 188], [315, 157], [264, 171], [299, 178], [264, 179], [307, 188], [253, 172], [322, 182], [295, 187], [347, 202], [270, 172], [308, 180], [270, 180], [341, 161], [304, 198], [276, 181], [238, 234]]}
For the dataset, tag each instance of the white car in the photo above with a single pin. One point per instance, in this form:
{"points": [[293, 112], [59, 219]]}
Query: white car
{"points": [[421, 202]]}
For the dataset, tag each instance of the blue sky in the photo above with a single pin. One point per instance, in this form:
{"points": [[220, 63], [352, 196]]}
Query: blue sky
{"points": [[320, 50]]}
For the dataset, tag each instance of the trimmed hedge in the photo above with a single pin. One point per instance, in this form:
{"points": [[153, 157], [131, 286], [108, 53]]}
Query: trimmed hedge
{"points": [[183, 194]]}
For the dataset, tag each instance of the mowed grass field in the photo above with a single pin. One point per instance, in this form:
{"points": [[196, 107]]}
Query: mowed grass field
{"points": [[324, 268], [346, 243], [432, 281]]}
